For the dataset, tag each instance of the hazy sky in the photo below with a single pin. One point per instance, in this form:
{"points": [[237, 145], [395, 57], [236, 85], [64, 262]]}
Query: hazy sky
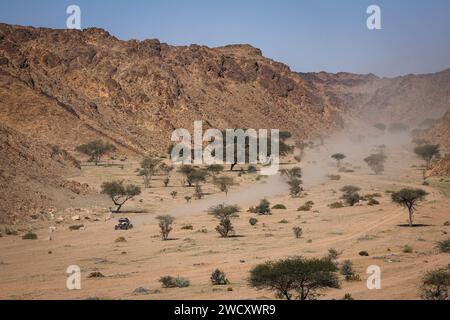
{"points": [[308, 35]]}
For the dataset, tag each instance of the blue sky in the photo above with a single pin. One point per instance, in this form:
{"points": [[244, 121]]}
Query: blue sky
{"points": [[308, 35]]}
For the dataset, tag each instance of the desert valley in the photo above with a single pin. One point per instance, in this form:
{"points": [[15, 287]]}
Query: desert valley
{"points": [[354, 144]]}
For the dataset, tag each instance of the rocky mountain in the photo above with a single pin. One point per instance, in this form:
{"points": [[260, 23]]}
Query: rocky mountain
{"points": [[69, 86], [408, 99], [439, 133], [66, 87], [31, 176]]}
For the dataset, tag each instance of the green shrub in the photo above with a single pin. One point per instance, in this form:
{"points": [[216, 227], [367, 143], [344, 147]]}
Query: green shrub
{"points": [[407, 249], [306, 207], [187, 227], [284, 221], [253, 221], [373, 202], [363, 253], [76, 227], [10, 232], [218, 278], [263, 208], [336, 205], [171, 282], [435, 285], [30, 236], [348, 296], [120, 239], [279, 207], [298, 232], [334, 177], [252, 169], [333, 254], [444, 246]]}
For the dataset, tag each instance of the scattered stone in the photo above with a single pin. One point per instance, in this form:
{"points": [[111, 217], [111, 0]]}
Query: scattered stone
{"points": [[141, 291], [76, 218]]}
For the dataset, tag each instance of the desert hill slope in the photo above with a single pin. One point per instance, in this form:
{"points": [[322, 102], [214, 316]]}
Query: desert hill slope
{"points": [[67, 87]]}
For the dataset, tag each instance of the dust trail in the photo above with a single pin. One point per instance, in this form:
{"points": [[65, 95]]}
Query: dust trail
{"points": [[316, 165], [242, 196]]}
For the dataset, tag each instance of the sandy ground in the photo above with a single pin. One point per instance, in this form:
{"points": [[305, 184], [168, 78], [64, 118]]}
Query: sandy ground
{"points": [[37, 269]]}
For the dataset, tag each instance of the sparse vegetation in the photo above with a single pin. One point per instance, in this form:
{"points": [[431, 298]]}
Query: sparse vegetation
{"points": [[407, 249], [336, 205], [149, 166], [224, 213], [198, 194], [165, 225], [363, 253], [223, 183], [279, 207], [219, 278], [96, 150], [338, 157], [444, 246], [435, 285], [119, 193], [293, 176], [76, 227], [215, 169], [297, 278], [351, 195], [174, 194], [427, 152], [253, 221], [376, 162], [30, 236], [172, 282], [348, 272], [381, 126], [398, 127], [263, 208], [409, 198], [306, 207], [298, 232], [334, 177]]}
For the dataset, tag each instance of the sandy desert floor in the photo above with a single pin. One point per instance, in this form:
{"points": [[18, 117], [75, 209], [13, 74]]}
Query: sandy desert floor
{"points": [[37, 269]]}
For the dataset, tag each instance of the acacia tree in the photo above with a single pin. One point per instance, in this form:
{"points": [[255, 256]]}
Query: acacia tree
{"points": [[215, 168], [96, 150], [376, 162], [297, 278], [409, 198], [338, 157], [149, 166], [223, 183], [224, 213], [427, 152], [351, 195], [293, 176], [380, 126], [165, 225], [119, 193]]}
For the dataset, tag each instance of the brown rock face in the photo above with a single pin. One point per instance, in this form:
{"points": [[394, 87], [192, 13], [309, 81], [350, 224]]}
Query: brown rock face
{"points": [[68, 87], [29, 174], [408, 99], [75, 86], [439, 133]]}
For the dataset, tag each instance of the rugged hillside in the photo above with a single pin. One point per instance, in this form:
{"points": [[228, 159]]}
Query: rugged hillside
{"points": [[68, 86], [439, 133], [30, 176], [409, 99]]}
